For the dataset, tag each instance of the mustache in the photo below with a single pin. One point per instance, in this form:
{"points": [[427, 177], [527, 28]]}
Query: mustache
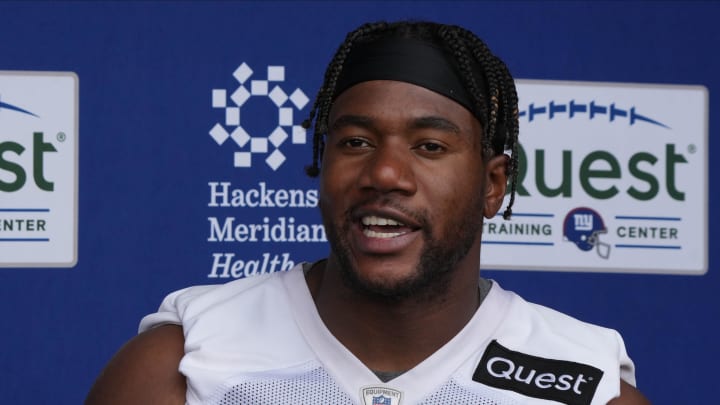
{"points": [[421, 217]]}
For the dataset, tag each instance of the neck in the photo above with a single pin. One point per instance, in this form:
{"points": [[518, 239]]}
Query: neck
{"points": [[389, 335]]}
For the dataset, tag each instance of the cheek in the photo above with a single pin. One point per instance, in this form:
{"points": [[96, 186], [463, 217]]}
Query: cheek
{"points": [[325, 194], [338, 177], [332, 190], [456, 190], [463, 177]]}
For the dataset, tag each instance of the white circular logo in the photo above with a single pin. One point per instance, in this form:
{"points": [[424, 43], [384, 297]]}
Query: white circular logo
{"points": [[264, 144]]}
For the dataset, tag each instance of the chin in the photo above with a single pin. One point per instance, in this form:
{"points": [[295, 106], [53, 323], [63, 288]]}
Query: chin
{"points": [[420, 281], [426, 277]]}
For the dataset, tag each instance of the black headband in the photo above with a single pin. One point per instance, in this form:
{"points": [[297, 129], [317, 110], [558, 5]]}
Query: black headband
{"points": [[407, 60]]}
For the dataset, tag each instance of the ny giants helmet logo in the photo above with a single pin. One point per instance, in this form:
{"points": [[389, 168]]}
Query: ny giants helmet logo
{"points": [[583, 227]]}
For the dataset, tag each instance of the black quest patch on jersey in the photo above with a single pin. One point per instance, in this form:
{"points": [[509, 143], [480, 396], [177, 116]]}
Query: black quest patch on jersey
{"points": [[558, 380]]}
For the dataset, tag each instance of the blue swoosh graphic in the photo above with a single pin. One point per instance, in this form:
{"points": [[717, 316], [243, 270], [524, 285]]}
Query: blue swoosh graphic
{"points": [[16, 108]]}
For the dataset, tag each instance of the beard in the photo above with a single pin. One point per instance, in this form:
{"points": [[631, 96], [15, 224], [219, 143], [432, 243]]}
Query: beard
{"points": [[436, 265]]}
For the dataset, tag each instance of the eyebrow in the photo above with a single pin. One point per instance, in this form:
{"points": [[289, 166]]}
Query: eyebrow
{"points": [[427, 122], [353, 120], [433, 122]]}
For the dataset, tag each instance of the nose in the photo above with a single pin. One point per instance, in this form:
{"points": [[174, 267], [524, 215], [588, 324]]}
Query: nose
{"points": [[389, 169]]}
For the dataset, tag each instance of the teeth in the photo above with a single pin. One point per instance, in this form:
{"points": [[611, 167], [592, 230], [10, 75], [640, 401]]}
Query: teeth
{"points": [[380, 221], [373, 220], [382, 235]]}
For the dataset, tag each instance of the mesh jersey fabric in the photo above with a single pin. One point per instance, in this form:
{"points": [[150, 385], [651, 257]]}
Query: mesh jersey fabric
{"points": [[316, 386], [261, 341]]}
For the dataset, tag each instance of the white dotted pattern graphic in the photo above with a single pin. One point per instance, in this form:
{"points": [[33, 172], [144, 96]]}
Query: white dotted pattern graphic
{"points": [[231, 101], [312, 387], [452, 393], [316, 386]]}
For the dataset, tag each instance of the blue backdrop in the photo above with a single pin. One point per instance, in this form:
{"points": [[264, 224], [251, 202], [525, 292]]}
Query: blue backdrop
{"points": [[146, 72]]}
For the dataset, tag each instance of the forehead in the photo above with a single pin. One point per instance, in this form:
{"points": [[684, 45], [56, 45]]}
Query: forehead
{"points": [[389, 100]]}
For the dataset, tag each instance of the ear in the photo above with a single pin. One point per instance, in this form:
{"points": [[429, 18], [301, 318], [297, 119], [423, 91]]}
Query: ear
{"points": [[495, 184]]}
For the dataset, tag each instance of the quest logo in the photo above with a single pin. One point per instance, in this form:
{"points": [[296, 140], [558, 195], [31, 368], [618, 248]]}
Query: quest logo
{"points": [[38, 169], [559, 380], [635, 153]]}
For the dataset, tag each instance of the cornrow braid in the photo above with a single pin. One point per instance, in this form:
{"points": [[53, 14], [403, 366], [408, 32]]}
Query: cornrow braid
{"points": [[324, 99], [486, 78], [508, 104]]}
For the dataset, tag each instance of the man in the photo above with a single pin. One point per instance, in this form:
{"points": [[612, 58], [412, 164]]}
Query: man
{"points": [[411, 126]]}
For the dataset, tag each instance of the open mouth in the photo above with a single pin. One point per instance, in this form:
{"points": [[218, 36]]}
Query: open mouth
{"points": [[382, 227]]}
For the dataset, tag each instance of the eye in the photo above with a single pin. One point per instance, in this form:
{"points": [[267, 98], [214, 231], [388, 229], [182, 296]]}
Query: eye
{"points": [[432, 147], [355, 143]]}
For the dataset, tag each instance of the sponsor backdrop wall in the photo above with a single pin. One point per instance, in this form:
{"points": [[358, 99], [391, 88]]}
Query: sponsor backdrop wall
{"points": [[147, 146]]}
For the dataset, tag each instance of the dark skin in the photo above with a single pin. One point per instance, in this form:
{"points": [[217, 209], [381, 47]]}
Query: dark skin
{"points": [[394, 151], [144, 371]]}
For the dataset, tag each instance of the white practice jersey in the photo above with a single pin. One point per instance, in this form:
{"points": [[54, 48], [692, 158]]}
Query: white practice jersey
{"points": [[261, 341]]}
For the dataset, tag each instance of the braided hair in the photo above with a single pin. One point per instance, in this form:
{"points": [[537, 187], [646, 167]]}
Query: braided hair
{"points": [[484, 75]]}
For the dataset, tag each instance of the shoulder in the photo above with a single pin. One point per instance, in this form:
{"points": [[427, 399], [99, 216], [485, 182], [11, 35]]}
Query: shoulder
{"points": [[144, 371], [536, 330], [548, 328], [189, 303], [148, 370]]}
